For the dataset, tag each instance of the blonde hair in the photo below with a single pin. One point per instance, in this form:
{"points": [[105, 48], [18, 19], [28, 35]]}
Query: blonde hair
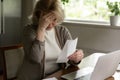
{"points": [[46, 6]]}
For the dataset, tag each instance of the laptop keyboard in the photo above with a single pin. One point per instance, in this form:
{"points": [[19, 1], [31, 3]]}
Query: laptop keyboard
{"points": [[85, 77]]}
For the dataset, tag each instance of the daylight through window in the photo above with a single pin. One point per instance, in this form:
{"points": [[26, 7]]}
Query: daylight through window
{"points": [[90, 10]]}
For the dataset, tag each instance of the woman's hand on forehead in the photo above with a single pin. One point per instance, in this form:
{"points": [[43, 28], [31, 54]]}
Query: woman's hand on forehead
{"points": [[47, 19], [50, 16]]}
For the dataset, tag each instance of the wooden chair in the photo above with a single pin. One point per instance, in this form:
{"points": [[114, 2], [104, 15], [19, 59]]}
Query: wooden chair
{"points": [[12, 57]]}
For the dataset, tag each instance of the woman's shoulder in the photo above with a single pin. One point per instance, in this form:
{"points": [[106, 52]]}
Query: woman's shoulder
{"points": [[29, 28], [61, 28]]}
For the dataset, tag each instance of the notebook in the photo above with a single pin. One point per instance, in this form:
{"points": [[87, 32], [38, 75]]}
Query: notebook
{"points": [[105, 67]]}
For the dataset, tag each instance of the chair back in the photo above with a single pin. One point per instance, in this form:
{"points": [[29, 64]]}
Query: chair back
{"points": [[12, 60]]}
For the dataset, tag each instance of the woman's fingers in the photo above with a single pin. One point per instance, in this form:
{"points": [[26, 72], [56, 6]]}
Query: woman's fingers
{"points": [[49, 16], [76, 56], [45, 20]]}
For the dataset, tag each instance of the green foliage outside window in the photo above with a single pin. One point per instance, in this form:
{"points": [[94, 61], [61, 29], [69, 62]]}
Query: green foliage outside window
{"points": [[64, 1], [90, 10]]}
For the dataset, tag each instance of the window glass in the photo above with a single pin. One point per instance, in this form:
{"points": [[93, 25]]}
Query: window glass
{"points": [[89, 10]]}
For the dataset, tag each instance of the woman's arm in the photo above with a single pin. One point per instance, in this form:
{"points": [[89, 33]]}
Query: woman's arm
{"points": [[34, 48]]}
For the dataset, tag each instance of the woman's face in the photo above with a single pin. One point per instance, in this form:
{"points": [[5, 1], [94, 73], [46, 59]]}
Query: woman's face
{"points": [[52, 24]]}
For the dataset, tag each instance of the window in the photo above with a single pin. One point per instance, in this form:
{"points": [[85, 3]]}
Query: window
{"points": [[89, 10]]}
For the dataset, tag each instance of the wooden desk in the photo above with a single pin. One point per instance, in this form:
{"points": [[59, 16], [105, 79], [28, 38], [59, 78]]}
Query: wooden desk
{"points": [[88, 61], [59, 73], [1, 77], [70, 69]]}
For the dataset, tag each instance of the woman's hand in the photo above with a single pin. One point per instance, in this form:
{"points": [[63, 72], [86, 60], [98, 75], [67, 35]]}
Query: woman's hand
{"points": [[45, 20], [76, 56]]}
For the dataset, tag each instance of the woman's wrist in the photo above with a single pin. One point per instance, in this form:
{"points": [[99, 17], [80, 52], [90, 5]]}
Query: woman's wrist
{"points": [[41, 28], [73, 62], [40, 34]]}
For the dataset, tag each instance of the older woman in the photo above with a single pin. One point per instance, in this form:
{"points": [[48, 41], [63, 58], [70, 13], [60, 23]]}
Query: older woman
{"points": [[43, 41]]}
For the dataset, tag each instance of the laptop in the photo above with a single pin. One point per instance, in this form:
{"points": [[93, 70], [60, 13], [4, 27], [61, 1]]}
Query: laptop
{"points": [[105, 67]]}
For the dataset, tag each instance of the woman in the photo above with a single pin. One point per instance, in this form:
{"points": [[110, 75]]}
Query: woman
{"points": [[44, 40]]}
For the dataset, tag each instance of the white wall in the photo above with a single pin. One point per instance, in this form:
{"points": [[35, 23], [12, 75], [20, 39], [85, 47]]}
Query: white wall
{"points": [[95, 38]]}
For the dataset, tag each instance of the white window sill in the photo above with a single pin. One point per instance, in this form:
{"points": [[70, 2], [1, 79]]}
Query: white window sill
{"points": [[91, 24]]}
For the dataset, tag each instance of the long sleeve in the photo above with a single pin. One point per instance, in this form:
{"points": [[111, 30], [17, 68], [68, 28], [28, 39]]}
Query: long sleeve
{"points": [[34, 49], [63, 35]]}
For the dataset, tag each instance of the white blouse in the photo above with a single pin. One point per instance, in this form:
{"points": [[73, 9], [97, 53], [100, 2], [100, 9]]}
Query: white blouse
{"points": [[52, 51]]}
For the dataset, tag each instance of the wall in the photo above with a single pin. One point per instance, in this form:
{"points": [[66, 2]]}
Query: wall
{"points": [[16, 14], [95, 38], [27, 7], [12, 22]]}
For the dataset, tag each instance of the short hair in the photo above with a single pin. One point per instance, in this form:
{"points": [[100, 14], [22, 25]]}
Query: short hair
{"points": [[46, 6]]}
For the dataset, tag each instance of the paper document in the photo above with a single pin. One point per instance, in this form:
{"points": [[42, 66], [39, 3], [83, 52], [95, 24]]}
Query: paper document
{"points": [[53, 78], [69, 48], [118, 68]]}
